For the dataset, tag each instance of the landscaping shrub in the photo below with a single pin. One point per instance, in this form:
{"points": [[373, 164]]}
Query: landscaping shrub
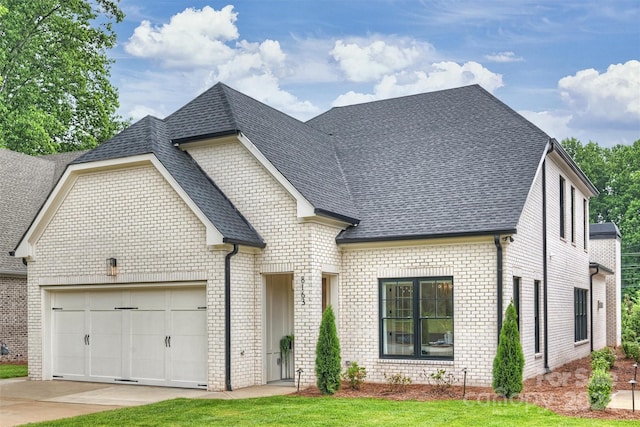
{"points": [[631, 350], [397, 382], [328, 365], [599, 364], [355, 375], [599, 389], [607, 354], [508, 365], [440, 380]]}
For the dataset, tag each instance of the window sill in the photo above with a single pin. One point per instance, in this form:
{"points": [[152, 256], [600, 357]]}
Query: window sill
{"points": [[416, 362], [580, 343]]}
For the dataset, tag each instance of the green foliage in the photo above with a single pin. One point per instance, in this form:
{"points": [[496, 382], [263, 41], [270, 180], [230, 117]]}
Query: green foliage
{"points": [[599, 364], [607, 354], [440, 380], [55, 93], [599, 389], [355, 375], [397, 382], [508, 365], [328, 365], [13, 371], [615, 172], [631, 350]]}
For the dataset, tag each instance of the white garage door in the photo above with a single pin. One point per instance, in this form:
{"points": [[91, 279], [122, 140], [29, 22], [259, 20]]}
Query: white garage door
{"points": [[146, 336]]}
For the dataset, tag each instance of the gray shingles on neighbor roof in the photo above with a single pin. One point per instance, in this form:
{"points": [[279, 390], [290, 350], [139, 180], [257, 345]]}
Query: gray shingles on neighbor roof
{"points": [[605, 230], [25, 183], [451, 162]]}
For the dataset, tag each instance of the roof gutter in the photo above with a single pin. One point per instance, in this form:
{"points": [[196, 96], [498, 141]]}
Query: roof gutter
{"points": [[227, 316], [340, 217], [423, 236]]}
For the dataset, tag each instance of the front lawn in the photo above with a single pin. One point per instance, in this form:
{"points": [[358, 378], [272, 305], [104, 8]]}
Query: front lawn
{"points": [[13, 371], [313, 411]]}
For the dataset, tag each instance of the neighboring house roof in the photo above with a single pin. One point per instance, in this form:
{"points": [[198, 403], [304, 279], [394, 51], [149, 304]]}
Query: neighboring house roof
{"points": [[446, 163], [605, 230], [305, 156], [150, 135], [26, 183]]}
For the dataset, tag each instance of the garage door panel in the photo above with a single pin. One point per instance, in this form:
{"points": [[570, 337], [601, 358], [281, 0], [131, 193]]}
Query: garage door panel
{"points": [[106, 344], [69, 343], [188, 345], [148, 348]]}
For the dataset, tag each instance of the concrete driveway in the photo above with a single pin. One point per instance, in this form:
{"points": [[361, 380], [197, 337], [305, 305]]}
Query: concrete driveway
{"points": [[23, 401]]}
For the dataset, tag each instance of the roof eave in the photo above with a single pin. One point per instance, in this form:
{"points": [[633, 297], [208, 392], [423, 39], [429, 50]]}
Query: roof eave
{"points": [[412, 237], [557, 147], [212, 135]]}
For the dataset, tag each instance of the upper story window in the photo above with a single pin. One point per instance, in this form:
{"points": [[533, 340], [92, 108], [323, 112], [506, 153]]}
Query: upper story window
{"points": [[562, 208], [573, 214], [585, 223], [416, 318]]}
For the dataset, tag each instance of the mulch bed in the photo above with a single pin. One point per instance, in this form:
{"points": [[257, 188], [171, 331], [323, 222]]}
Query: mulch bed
{"points": [[563, 391]]}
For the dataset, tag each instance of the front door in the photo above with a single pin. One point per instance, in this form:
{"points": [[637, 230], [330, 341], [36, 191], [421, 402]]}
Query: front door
{"points": [[279, 323]]}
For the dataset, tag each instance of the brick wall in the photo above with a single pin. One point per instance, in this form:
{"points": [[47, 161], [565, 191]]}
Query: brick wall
{"points": [[13, 318], [607, 253], [473, 268]]}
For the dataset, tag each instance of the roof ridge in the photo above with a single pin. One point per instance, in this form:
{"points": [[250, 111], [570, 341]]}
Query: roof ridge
{"points": [[225, 98]]}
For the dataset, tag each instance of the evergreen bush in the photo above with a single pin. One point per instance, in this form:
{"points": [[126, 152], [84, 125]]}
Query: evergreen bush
{"points": [[607, 354], [599, 389], [355, 375], [508, 365], [328, 364]]}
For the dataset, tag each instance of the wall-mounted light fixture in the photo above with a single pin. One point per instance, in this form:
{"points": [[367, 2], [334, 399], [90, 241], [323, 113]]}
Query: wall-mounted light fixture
{"points": [[600, 305], [112, 267]]}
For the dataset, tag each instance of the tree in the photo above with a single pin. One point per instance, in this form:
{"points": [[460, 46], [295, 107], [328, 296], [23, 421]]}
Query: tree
{"points": [[615, 172], [328, 354], [55, 93], [508, 365]]}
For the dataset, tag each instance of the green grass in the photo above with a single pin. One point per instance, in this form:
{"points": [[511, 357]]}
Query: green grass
{"points": [[13, 371], [310, 411]]}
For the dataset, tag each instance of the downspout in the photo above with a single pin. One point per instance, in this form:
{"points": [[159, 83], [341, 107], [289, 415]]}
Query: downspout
{"points": [[227, 316], [597, 267], [496, 240], [545, 266]]}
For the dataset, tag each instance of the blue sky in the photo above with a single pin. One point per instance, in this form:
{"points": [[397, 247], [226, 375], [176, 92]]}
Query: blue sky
{"points": [[572, 67]]}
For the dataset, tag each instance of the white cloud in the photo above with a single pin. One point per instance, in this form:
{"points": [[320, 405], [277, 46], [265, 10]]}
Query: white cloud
{"points": [[553, 123], [442, 75], [364, 60], [610, 97], [203, 47], [194, 37], [503, 57]]}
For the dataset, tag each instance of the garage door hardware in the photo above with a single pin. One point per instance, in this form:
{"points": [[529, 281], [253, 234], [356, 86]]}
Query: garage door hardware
{"points": [[167, 341], [202, 308], [56, 308], [86, 339], [125, 308], [125, 381]]}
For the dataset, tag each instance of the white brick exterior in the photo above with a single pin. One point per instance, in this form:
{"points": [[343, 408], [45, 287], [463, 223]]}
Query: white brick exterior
{"points": [[134, 215], [607, 253]]}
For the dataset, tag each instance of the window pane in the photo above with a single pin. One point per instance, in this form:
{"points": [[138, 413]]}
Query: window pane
{"points": [[397, 337], [437, 337], [397, 300]]}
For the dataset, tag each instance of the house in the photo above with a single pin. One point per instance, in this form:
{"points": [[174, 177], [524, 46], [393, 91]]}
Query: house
{"points": [[25, 182], [181, 251]]}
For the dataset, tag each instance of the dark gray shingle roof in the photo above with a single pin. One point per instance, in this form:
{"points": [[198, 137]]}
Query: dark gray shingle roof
{"points": [[305, 156], [452, 162], [25, 183], [605, 230], [151, 135]]}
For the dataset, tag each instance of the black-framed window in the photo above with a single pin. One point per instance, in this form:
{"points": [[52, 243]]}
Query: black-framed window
{"points": [[536, 315], [562, 208], [416, 318], [585, 223], [573, 214], [580, 310], [516, 297]]}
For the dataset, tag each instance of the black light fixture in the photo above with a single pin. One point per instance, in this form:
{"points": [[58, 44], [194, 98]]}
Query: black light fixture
{"points": [[112, 267]]}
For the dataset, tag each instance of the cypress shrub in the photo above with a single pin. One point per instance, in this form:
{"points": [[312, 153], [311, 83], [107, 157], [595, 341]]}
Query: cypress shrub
{"points": [[328, 363], [508, 365]]}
